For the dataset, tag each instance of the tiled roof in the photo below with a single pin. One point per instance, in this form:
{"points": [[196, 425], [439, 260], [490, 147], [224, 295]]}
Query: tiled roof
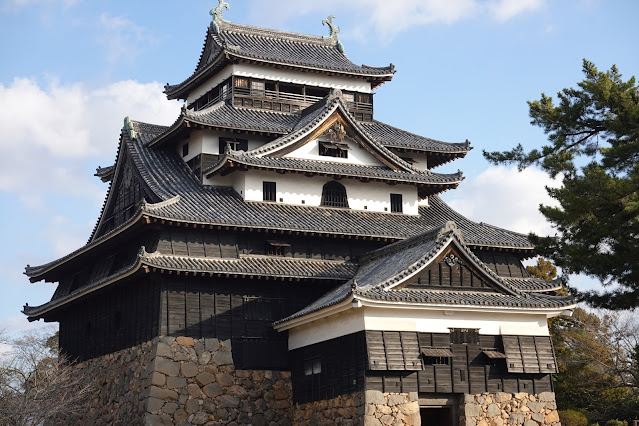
{"points": [[393, 137], [535, 285], [169, 178], [333, 168], [243, 266], [105, 173], [381, 270], [232, 41]]}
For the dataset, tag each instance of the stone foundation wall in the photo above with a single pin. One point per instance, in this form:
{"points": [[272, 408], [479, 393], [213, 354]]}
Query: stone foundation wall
{"points": [[500, 409], [345, 410], [391, 409]]}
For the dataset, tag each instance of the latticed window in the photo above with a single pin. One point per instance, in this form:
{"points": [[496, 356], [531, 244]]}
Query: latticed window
{"points": [[334, 195]]}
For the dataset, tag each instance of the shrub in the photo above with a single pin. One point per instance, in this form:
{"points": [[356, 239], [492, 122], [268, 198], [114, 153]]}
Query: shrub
{"points": [[573, 418]]}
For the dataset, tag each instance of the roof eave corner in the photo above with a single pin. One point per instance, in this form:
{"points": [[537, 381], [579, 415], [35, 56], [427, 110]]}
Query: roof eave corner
{"points": [[349, 302]]}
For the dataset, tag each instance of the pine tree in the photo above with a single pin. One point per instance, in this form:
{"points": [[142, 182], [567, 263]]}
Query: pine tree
{"points": [[593, 135]]}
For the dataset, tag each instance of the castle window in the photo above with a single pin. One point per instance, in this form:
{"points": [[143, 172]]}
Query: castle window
{"points": [[185, 149], [396, 203], [334, 195], [241, 82], [436, 356], [464, 336], [276, 248], [257, 88], [312, 366], [234, 144], [333, 149], [269, 191]]}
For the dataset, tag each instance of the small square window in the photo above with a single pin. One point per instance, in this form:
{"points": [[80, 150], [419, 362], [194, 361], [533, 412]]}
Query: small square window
{"points": [[269, 191], [276, 248], [312, 366], [185, 149], [333, 149]]}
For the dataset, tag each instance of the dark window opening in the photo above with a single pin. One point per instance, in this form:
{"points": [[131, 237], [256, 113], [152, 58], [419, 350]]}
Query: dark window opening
{"points": [[318, 92], [464, 336], [334, 195], [436, 360], [312, 366], [396, 203], [269, 191], [185, 149], [333, 149], [276, 248], [233, 144]]}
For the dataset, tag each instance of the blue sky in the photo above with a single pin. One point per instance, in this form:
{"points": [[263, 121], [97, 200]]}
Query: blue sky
{"points": [[73, 69]]}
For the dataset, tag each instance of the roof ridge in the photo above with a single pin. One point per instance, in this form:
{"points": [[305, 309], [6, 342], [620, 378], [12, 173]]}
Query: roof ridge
{"points": [[256, 31]]}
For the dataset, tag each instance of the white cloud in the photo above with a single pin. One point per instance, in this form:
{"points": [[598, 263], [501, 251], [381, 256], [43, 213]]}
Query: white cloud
{"points": [[503, 10], [52, 137], [388, 20], [506, 198], [122, 38]]}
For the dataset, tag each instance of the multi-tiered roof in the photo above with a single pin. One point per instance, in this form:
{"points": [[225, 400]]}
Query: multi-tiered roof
{"points": [[163, 192]]}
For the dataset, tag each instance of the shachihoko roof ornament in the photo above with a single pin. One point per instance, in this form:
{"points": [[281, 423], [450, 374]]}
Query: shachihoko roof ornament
{"points": [[216, 14], [333, 31], [128, 126]]}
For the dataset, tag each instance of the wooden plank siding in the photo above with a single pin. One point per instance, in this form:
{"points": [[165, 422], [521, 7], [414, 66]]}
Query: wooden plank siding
{"points": [[468, 371], [115, 318], [343, 365], [238, 309]]}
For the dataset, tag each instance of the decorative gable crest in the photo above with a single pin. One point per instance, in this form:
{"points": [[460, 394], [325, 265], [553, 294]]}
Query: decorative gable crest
{"points": [[335, 133], [333, 30]]}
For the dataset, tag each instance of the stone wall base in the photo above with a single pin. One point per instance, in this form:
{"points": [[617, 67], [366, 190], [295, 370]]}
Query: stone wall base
{"points": [[391, 409], [498, 409]]}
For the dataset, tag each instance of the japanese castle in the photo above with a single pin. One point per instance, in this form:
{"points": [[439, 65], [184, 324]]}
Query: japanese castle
{"points": [[279, 223]]}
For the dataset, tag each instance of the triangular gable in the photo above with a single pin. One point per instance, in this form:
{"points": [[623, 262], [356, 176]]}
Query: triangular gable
{"points": [[334, 123], [450, 266]]}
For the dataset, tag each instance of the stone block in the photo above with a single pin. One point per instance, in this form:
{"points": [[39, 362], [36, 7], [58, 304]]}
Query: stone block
{"points": [[213, 389], [227, 344], [200, 418], [468, 398], [211, 345], [536, 407], [530, 423], [470, 422], [552, 417], [238, 391], [410, 408], [516, 419], [180, 416], [157, 420], [164, 350], [192, 406], [170, 407], [185, 341], [204, 378], [153, 405], [413, 396], [473, 410], [482, 423], [161, 393], [538, 417], [546, 396], [156, 379], [258, 419], [387, 419], [374, 397], [227, 401], [493, 410], [189, 369], [168, 367], [497, 421], [521, 396], [503, 397], [223, 357], [396, 399], [205, 358], [175, 382], [225, 379], [194, 390]]}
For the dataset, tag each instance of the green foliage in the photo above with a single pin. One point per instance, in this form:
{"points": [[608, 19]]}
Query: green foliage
{"points": [[593, 135], [616, 422], [573, 418]]}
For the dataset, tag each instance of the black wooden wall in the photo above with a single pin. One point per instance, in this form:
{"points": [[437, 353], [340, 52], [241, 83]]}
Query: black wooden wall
{"points": [[343, 365], [115, 318], [237, 309]]}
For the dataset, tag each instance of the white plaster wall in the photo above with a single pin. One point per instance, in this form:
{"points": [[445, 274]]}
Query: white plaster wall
{"points": [[429, 321], [195, 145], [356, 155], [299, 189], [421, 161], [209, 84], [299, 77]]}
